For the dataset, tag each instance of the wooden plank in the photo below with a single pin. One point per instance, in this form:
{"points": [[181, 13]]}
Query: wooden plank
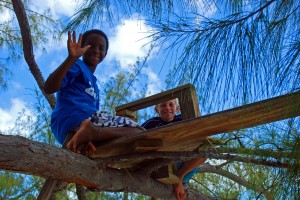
{"points": [[188, 134], [186, 95], [165, 175], [141, 145], [128, 163], [47, 189], [147, 145], [127, 113], [188, 101]]}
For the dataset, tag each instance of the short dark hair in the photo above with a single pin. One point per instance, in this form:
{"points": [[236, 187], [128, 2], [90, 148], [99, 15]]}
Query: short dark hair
{"points": [[87, 33]]}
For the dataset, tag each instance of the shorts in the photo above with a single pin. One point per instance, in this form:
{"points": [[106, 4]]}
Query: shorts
{"points": [[104, 119]]}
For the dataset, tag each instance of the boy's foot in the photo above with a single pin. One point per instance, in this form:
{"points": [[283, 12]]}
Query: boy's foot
{"points": [[82, 137]]}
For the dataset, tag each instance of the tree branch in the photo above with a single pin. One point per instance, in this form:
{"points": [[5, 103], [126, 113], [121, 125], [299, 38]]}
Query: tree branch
{"points": [[20, 154], [28, 49], [216, 170], [211, 154]]}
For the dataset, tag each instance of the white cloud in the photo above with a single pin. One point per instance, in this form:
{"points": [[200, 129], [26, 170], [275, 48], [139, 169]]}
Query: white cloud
{"points": [[129, 42], [9, 116], [154, 83], [5, 16], [16, 85], [57, 8], [207, 9]]}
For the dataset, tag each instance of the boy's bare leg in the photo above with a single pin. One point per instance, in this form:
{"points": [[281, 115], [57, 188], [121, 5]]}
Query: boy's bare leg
{"points": [[88, 132]]}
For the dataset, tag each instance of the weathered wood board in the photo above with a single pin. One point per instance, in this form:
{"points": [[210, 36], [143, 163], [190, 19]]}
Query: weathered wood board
{"points": [[186, 95], [189, 134]]}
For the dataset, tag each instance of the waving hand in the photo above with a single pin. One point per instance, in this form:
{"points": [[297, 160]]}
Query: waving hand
{"points": [[74, 48]]}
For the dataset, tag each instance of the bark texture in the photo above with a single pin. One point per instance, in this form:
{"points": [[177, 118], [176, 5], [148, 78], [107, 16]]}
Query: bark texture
{"points": [[20, 154]]}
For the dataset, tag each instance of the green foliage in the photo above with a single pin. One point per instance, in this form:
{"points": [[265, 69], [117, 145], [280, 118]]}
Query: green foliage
{"points": [[114, 195], [37, 126], [248, 52], [41, 130], [42, 27], [18, 186], [95, 12], [255, 170], [9, 184], [4, 76], [124, 87], [67, 193], [243, 51]]}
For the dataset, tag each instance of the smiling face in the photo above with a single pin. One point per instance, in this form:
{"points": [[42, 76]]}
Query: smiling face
{"points": [[97, 52], [167, 110]]}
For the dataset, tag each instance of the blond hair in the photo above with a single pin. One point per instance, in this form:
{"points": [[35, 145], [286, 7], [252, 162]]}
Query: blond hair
{"points": [[176, 102]]}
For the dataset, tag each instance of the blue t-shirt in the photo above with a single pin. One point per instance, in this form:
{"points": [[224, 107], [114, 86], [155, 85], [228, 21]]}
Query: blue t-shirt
{"points": [[77, 100], [157, 122]]}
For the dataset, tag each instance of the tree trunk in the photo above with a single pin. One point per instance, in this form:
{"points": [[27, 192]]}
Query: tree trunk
{"points": [[20, 154], [28, 49]]}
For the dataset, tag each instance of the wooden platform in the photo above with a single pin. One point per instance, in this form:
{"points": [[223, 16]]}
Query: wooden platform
{"points": [[189, 134]]}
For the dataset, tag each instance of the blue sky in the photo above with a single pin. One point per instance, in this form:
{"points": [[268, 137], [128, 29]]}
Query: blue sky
{"points": [[125, 46]]}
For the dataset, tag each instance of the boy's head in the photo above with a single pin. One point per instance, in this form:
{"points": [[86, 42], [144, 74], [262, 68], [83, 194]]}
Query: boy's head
{"points": [[167, 110], [98, 42], [94, 31]]}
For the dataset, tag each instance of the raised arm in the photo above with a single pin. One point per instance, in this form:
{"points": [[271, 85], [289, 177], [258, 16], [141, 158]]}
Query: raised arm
{"points": [[53, 82]]}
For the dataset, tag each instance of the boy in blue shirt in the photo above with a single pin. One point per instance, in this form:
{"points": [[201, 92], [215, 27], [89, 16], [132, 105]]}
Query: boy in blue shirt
{"points": [[76, 120]]}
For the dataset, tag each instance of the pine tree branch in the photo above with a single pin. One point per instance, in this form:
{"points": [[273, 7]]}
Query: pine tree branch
{"points": [[207, 168], [255, 152], [212, 154]]}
